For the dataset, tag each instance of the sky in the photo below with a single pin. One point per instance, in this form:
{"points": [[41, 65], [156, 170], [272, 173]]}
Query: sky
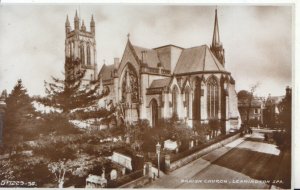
{"points": [[257, 40]]}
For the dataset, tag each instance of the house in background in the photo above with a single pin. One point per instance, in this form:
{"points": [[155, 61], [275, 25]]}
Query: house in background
{"points": [[256, 110], [262, 111]]}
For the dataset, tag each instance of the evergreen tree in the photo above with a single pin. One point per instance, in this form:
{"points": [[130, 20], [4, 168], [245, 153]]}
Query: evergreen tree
{"points": [[19, 112], [71, 94], [285, 110]]}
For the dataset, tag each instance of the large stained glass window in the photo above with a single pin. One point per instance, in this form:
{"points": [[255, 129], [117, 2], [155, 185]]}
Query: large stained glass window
{"points": [[130, 84], [197, 100], [187, 102], [212, 98]]}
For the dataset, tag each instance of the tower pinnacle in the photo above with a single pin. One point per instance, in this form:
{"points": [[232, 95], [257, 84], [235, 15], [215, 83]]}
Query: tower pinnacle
{"points": [[83, 28], [76, 21], [67, 21], [67, 25], [92, 25]]}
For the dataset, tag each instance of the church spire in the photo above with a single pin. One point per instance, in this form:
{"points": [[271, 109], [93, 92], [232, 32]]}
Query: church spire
{"points": [[216, 46], [216, 35]]}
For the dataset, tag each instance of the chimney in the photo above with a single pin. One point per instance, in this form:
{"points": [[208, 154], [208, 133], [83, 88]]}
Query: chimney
{"points": [[288, 91], [116, 62]]}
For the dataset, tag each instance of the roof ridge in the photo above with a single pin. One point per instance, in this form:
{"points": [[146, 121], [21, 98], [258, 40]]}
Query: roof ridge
{"points": [[167, 46], [195, 47], [142, 47]]}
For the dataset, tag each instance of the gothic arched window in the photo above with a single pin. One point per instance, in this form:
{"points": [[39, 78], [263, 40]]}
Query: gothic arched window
{"points": [[212, 98], [82, 55], [88, 54], [174, 99], [197, 99], [187, 102]]}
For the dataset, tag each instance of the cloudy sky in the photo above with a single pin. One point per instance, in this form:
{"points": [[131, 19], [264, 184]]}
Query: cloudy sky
{"points": [[257, 40]]}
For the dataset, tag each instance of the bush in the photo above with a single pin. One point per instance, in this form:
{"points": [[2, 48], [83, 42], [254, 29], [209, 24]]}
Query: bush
{"points": [[282, 139]]}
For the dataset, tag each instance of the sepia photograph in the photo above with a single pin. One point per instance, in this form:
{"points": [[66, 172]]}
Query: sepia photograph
{"points": [[158, 96]]}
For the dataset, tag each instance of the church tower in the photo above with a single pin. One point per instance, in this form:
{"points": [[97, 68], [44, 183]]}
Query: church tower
{"points": [[80, 50], [216, 46]]}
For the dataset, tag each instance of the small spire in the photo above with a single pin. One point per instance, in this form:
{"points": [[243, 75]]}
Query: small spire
{"points": [[67, 21], [76, 16], [216, 36]]}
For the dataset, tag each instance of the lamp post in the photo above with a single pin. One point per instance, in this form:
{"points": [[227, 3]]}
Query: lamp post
{"points": [[158, 154]]}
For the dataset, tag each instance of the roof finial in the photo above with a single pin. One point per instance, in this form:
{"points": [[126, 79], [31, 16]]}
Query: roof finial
{"points": [[128, 36]]}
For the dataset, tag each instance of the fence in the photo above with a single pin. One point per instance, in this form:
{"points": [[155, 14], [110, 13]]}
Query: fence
{"points": [[178, 156], [181, 159]]}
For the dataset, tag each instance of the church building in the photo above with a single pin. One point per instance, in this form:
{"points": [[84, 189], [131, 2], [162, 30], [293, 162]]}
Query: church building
{"points": [[158, 83]]}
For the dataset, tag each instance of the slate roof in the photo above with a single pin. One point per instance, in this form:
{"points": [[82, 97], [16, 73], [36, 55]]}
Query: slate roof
{"points": [[165, 54], [159, 83], [256, 102], [198, 58], [106, 72], [150, 57]]}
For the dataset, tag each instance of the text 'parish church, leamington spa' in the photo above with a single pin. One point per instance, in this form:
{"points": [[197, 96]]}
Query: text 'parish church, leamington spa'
{"points": [[160, 82]]}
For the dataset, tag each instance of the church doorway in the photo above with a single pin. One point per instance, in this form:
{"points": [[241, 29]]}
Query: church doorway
{"points": [[154, 113]]}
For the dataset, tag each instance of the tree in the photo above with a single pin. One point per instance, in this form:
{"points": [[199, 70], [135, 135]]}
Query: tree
{"points": [[252, 90], [59, 169], [285, 116], [285, 109], [60, 159], [19, 112], [70, 94], [246, 97]]}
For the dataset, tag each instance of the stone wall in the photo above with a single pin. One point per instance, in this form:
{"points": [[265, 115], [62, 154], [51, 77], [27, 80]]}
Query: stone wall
{"points": [[140, 182], [179, 163]]}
